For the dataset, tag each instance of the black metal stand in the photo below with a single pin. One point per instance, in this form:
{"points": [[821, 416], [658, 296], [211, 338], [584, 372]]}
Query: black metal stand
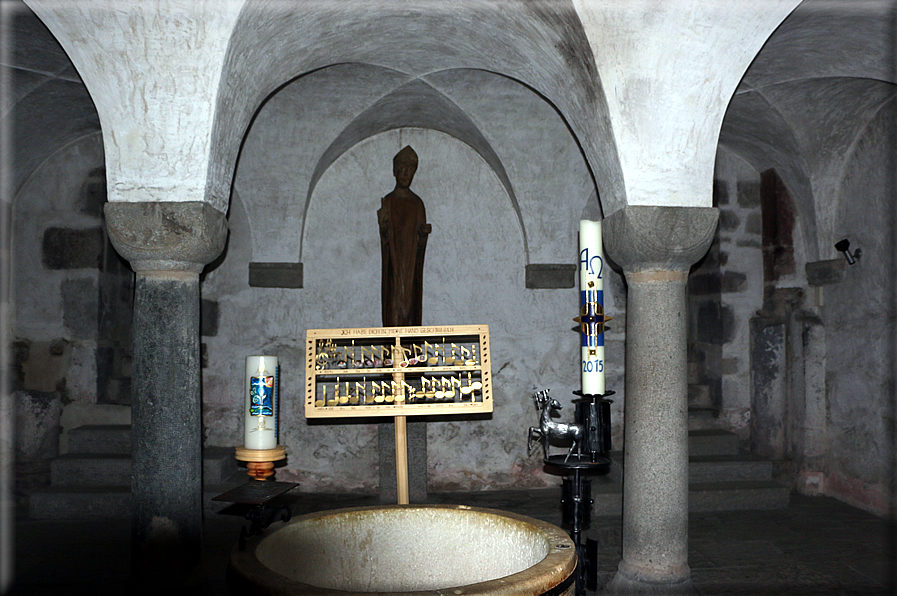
{"points": [[257, 495], [593, 414], [260, 517]]}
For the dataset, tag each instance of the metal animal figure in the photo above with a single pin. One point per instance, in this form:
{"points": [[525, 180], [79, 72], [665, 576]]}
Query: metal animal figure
{"points": [[549, 429]]}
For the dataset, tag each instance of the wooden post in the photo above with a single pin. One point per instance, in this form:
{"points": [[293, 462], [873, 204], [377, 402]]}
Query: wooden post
{"points": [[402, 492]]}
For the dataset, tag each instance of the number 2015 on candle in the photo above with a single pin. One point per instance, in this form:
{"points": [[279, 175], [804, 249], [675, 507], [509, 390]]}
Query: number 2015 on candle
{"points": [[593, 366]]}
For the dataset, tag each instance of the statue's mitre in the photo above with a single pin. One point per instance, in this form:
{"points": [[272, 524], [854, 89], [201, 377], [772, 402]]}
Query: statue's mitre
{"points": [[406, 156]]}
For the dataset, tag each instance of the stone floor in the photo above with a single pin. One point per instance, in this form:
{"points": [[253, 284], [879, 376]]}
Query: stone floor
{"points": [[815, 546]]}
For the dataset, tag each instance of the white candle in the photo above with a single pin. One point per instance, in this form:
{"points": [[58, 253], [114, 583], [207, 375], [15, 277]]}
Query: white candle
{"points": [[591, 293], [260, 409]]}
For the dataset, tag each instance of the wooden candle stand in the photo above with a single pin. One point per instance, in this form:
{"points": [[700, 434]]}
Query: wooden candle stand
{"points": [[260, 462]]}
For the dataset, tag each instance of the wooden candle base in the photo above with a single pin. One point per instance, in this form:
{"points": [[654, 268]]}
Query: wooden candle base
{"points": [[260, 462]]}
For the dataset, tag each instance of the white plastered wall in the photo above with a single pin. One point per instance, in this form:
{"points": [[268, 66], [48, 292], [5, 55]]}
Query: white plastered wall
{"points": [[474, 273]]}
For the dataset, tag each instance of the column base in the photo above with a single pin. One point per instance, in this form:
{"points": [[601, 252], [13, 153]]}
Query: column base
{"points": [[627, 581]]}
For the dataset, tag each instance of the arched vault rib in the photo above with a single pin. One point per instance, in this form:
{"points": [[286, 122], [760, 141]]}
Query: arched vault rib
{"points": [[754, 129], [541, 45], [415, 105], [805, 127]]}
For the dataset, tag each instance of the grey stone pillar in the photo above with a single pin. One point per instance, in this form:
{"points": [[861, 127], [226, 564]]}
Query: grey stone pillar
{"points": [[656, 246], [167, 244]]}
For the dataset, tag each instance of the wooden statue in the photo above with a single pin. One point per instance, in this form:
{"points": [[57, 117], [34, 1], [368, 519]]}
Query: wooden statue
{"points": [[403, 241]]}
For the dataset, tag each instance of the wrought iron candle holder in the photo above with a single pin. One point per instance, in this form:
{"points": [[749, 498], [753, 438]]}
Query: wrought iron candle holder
{"points": [[590, 438]]}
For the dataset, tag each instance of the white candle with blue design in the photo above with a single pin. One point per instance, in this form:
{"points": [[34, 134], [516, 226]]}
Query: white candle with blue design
{"points": [[261, 403], [591, 313]]}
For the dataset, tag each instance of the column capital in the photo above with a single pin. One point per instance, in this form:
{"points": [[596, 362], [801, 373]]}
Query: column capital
{"points": [[166, 236], [644, 238]]}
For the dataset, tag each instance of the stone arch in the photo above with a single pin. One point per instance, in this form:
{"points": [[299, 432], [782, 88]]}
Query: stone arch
{"points": [[53, 101], [417, 104], [460, 230], [777, 126], [756, 130], [283, 42], [307, 125]]}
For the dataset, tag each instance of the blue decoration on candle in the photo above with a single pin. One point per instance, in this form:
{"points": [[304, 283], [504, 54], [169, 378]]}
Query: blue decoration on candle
{"points": [[261, 396], [591, 318], [277, 402]]}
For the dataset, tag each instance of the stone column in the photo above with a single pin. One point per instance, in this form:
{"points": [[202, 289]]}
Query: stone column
{"points": [[167, 244], [656, 246]]}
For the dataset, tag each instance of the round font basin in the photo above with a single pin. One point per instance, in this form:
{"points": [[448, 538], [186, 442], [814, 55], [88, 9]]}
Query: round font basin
{"points": [[407, 549]]}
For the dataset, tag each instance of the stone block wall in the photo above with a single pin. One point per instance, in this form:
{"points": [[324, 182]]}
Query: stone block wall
{"points": [[725, 289], [93, 287], [72, 295]]}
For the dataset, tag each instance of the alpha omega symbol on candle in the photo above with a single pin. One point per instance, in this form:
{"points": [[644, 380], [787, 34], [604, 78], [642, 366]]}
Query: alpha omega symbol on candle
{"points": [[587, 265]]}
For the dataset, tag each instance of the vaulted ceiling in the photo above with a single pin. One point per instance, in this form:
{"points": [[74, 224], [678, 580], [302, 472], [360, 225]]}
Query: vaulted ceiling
{"points": [[817, 82]]}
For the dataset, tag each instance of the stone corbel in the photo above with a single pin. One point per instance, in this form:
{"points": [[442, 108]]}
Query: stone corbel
{"points": [[166, 236]]}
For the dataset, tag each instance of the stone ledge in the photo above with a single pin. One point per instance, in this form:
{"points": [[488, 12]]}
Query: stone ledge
{"points": [[275, 275], [822, 273], [545, 276]]}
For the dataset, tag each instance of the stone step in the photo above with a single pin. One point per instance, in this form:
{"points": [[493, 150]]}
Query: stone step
{"points": [[738, 495], [100, 438], [722, 468], [703, 496], [103, 502], [720, 478], [79, 502], [88, 469], [710, 468], [700, 417], [703, 446], [218, 466], [693, 372], [712, 442]]}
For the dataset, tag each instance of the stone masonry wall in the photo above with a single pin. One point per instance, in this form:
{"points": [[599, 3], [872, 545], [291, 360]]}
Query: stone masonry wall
{"points": [[71, 350], [860, 321], [725, 289]]}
